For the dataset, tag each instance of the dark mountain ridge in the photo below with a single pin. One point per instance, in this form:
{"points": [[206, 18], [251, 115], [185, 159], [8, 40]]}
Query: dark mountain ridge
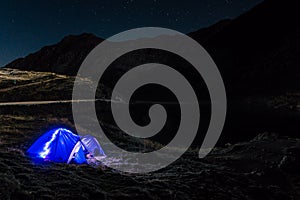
{"points": [[256, 52], [64, 57], [259, 50]]}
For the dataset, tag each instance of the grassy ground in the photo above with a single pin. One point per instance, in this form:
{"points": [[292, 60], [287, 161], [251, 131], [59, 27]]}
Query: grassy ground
{"points": [[266, 167]]}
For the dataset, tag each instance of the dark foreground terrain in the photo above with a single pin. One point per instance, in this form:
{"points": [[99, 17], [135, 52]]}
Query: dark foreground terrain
{"points": [[266, 167]]}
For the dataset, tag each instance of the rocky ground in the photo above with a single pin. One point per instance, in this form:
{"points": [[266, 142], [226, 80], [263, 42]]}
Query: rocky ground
{"points": [[266, 167]]}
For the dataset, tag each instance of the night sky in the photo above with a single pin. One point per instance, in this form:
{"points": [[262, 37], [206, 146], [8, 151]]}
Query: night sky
{"points": [[26, 26]]}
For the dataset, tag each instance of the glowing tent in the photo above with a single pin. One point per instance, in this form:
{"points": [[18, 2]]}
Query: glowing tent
{"points": [[61, 145]]}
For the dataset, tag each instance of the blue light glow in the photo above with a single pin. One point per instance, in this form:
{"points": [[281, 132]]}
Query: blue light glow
{"points": [[46, 148], [59, 145]]}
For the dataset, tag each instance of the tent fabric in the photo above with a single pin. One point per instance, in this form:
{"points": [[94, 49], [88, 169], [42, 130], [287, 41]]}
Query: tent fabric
{"points": [[78, 154], [92, 145], [61, 145]]}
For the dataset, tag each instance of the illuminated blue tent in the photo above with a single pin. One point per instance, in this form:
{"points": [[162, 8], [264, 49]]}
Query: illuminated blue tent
{"points": [[61, 145]]}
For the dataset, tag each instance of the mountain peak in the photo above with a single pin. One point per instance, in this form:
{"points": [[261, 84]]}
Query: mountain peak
{"points": [[82, 36], [65, 57]]}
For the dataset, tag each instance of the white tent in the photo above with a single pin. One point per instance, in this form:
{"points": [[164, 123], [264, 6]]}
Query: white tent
{"points": [[92, 145]]}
